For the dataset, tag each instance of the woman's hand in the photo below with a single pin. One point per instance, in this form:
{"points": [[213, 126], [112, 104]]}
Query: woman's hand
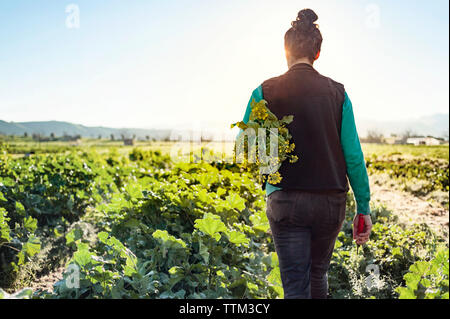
{"points": [[363, 237]]}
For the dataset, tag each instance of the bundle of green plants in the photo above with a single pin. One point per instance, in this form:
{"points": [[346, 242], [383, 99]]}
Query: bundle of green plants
{"points": [[262, 130]]}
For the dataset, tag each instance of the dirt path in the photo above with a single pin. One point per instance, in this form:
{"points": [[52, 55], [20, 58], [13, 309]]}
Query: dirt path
{"points": [[409, 208], [45, 283]]}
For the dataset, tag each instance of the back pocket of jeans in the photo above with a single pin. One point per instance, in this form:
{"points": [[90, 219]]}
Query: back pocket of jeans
{"points": [[280, 206]]}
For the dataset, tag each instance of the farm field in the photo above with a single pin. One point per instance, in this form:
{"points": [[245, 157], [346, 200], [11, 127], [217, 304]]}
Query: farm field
{"points": [[132, 222]]}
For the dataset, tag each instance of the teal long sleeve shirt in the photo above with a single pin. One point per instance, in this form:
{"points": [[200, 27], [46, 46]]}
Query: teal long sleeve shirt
{"points": [[351, 147]]}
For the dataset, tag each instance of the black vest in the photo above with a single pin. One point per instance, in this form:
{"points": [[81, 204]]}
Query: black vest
{"points": [[316, 103]]}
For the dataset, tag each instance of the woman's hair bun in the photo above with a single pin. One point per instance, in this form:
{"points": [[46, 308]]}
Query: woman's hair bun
{"points": [[305, 20]]}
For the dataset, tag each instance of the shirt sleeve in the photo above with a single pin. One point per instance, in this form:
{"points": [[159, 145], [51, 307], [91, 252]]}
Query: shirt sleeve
{"points": [[258, 96], [354, 159]]}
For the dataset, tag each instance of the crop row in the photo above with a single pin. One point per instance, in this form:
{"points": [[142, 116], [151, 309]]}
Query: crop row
{"points": [[184, 230]]}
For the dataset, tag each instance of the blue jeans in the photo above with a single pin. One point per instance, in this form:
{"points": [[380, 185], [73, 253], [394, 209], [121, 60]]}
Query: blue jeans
{"points": [[304, 227]]}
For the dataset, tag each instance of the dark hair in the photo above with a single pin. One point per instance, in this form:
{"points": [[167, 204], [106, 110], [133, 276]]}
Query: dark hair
{"points": [[304, 39]]}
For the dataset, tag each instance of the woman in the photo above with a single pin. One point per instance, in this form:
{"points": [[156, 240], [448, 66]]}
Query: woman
{"points": [[307, 209]]}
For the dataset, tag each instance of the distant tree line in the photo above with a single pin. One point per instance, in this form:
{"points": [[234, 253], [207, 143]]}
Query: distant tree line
{"points": [[53, 138]]}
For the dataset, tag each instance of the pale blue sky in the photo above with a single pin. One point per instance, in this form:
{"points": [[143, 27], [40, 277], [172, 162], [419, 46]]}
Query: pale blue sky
{"points": [[141, 63]]}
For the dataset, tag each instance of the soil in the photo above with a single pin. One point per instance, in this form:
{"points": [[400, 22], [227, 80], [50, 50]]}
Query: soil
{"points": [[408, 208], [45, 283]]}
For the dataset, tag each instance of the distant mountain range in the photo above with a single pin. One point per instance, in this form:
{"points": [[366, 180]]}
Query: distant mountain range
{"points": [[65, 128], [435, 125]]}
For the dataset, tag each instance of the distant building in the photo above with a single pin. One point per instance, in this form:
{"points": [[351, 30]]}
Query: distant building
{"points": [[393, 140], [128, 141], [70, 138], [423, 141]]}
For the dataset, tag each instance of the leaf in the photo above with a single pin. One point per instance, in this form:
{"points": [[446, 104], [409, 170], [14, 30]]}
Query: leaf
{"points": [[211, 225], [274, 260], [274, 278], [221, 191], [130, 266], [56, 233], [425, 282], [203, 251], [337, 244], [397, 251], [420, 268], [175, 270], [33, 245], [270, 123], [169, 240], [406, 293], [259, 221], [30, 224], [236, 202], [206, 179], [287, 119], [20, 209], [180, 294], [252, 286], [412, 280], [4, 227], [132, 223], [238, 238], [30, 248], [75, 234], [204, 196], [103, 236], [21, 258], [83, 256], [252, 124], [133, 190], [241, 125], [440, 261]]}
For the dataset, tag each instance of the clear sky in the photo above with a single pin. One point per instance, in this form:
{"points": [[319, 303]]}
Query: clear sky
{"points": [[143, 63]]}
